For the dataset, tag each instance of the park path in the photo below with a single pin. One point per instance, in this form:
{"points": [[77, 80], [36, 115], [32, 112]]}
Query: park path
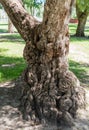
{"points": [[11, 117]]}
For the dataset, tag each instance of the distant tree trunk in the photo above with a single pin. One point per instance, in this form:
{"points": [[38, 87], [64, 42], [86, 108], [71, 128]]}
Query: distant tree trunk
{"points": [[10, 26], [82, 18], [52, 92], [32, 10]]}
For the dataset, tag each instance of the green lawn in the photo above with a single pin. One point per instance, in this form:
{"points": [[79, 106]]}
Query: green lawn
{"points": [[79, 58], [3, 28], [11, 55]]}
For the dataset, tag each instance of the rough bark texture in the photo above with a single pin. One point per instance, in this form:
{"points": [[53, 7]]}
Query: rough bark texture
{"points": [[82, 18], [52, 92]]}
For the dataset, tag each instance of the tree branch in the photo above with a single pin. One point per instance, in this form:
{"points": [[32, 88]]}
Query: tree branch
{"points": [[23, 21]]}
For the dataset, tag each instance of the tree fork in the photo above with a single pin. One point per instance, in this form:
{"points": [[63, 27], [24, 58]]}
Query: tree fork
{"points": [[52, 92]]}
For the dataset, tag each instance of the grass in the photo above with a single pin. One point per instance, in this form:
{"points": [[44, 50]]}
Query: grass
{"points": [[79, 58], [11, 56], [72, 28], [3, 28], [81, 71], [12, 63]]}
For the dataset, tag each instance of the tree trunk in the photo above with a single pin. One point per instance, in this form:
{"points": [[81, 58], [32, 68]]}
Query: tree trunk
{"points": [[10, 26], [52, 91], [82, 18]]}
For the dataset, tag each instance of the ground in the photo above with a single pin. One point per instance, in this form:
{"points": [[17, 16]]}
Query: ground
{"points": [[12, 65], [11, 117]]}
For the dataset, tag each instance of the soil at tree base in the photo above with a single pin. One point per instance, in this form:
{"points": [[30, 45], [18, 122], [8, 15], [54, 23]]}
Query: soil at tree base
{"points": [[11, 117]]}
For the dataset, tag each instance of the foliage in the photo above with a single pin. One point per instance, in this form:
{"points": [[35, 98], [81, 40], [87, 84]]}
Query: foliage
{"points": [[83, 5], [32, 1], [33, 5], [73, 15]]}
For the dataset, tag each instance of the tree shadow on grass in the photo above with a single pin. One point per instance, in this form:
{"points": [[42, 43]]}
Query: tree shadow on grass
{"points": [[3, 30], [11, 37], [73, 38], [81, 70], [11, 67]]}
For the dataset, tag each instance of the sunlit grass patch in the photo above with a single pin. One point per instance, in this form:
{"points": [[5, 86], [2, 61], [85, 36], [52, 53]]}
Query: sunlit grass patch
{"points": [[12, 63]]}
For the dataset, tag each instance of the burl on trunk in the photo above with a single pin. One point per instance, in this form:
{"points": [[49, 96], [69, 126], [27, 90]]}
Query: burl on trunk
{"points": [[52, 92]]}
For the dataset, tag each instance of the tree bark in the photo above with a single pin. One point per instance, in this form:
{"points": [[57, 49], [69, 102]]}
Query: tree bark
{"points": [[52, 91], [10, 26], [82, 18]]}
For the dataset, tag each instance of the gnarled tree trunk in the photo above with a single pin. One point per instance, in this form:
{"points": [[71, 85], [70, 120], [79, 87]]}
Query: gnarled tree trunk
{"points": [[82, 18], [52, 91]]}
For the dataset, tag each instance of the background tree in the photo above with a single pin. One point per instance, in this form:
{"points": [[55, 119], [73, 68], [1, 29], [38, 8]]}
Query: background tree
{"points": [[32, 5], [10, 26], [0, 6], [51, 91], [82, 10]]}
